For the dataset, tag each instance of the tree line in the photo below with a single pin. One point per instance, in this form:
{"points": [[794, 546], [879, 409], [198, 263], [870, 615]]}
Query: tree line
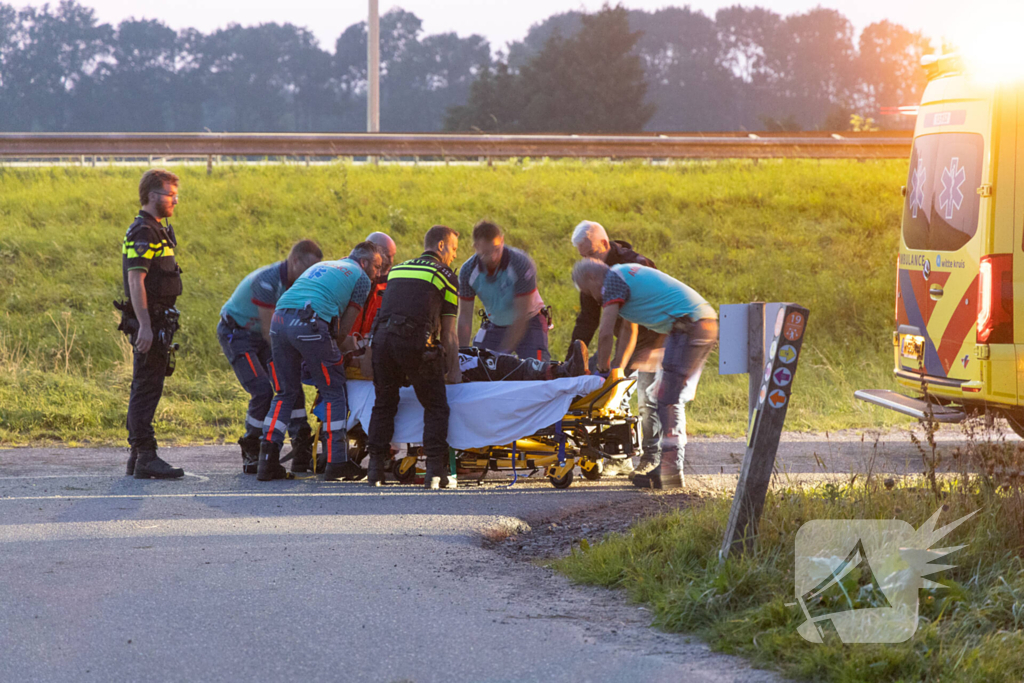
{"points": [[610, 71]]}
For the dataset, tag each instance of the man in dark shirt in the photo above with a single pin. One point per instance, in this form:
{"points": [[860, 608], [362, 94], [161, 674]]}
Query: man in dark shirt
{"points": [[591, 240], [152, 284], [415, 342]]}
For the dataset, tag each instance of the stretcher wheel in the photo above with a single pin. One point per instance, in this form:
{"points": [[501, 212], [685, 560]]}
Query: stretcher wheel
{"points": [[562, 482], [405, 470], [594, 473]]}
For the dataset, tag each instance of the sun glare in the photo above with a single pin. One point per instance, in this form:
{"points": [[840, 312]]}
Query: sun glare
{"points": [[991, 51]]}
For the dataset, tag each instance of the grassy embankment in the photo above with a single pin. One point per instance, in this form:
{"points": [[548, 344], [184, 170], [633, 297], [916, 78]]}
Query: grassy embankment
{"points": [[970, 631], [821, 234]]}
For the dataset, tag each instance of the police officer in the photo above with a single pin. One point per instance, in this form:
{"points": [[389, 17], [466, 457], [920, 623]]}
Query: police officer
{"points": [[311, 326], [648, 297], [244, 335], [152, 283], [505, 280], [591, 241], [415, 342]]}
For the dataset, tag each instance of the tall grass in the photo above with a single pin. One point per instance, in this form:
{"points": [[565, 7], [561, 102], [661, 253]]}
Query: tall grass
{"points": [[971, 630], [823, 234]]}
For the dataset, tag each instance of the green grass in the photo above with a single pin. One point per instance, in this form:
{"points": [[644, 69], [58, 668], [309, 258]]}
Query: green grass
{"points": [[820, 234], [968, 632]]}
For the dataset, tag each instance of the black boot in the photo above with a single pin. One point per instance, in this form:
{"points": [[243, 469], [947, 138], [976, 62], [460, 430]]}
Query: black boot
{"points": [[650, 480], [250, 453], [575, 364], [375, 472], [343, 471], [665, 476], [133, 455], [270, 463], [149, 466], [302, 449]]}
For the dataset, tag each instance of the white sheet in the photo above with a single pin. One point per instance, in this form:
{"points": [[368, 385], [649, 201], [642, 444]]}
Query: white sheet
{"points": [[482, 413]]}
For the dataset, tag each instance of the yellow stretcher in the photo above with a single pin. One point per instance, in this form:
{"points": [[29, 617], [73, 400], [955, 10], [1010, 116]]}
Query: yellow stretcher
{"points": [[598, 428]]}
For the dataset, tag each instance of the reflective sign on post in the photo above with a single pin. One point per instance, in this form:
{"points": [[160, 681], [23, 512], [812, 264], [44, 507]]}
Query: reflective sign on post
{"points": [[765, 429]]}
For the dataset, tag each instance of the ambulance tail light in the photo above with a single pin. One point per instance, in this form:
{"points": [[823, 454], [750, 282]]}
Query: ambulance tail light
{"points": [[995, 299]]}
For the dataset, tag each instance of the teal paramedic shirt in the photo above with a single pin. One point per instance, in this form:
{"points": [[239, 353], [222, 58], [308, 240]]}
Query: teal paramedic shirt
{"points": [[260, 289], [329, 287], [651, 298], [515, 276]]}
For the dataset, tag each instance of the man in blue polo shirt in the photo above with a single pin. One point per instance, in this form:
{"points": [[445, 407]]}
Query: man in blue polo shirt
{"points": [[505, 280], [648, 297], [244, 335], [308, 327]]}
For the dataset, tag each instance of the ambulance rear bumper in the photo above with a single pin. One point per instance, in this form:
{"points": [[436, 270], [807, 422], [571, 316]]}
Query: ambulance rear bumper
{"points": [[914, 407]]}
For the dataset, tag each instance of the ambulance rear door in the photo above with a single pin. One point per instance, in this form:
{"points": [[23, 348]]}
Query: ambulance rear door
{"points": [[939, 255]]}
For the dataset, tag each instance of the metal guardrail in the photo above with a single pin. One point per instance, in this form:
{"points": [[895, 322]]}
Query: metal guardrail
{"points": [[890, 145]]}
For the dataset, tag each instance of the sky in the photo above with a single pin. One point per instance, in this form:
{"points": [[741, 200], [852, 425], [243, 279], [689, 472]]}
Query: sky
{"points": [[503, 21]]}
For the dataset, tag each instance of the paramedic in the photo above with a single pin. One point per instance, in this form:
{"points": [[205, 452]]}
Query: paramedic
{"points": [[645, 296], [415, 342], [310, 325], [244, 335], [505, 279]]}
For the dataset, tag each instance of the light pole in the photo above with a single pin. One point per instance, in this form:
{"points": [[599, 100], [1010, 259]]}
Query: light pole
{"points": [[373, 70]]}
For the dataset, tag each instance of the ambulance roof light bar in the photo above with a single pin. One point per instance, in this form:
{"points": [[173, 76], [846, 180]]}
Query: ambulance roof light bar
{"points": [[939, 65]]}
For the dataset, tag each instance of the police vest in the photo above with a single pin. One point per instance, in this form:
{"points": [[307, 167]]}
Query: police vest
{"points": [[149, 242]]}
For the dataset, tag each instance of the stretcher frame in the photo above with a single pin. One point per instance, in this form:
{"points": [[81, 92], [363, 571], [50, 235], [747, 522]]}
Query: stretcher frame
{"points": [[597, 428]]}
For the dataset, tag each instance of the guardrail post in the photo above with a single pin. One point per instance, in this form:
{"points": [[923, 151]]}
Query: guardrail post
{"points": [[209, 164], [765, 429]]}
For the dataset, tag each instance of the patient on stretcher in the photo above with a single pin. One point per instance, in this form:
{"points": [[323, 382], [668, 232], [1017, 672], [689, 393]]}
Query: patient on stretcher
{"points": [[481, 365]]}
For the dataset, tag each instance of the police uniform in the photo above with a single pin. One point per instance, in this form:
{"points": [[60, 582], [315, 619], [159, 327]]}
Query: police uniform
{"points": [[406, 351], [149, 246], [241, 338], [301, 332]]}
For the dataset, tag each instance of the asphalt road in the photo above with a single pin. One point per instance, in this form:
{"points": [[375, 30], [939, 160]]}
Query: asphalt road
{"points": [[218, 577]]}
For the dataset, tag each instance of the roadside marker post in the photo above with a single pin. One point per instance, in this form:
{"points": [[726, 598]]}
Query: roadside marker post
{"points": [[771, 385]]}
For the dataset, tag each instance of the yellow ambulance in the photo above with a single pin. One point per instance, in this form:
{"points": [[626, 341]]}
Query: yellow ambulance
{"points": [[960, 257]]}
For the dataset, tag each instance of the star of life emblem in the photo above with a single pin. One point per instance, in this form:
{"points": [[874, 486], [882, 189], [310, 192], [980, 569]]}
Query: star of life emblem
{"points": [[953, 179], [916, 191]]}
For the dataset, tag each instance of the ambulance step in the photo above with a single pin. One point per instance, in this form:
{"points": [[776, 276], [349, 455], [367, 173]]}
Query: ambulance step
{"points": [[914, 407]]}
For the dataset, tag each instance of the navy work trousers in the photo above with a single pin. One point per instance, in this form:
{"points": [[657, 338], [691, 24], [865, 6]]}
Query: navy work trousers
{"points": [[250, 358], [294, 341]]}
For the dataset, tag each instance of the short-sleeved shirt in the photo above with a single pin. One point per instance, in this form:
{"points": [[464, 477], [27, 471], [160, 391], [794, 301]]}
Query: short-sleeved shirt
{"points": [[260, 289], [149, 246], [515, 276], [329, 287], [423, 290], [651, 298]]}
